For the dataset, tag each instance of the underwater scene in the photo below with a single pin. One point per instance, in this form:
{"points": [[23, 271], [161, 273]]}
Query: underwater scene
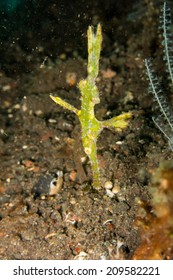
{"points": [[86, 130]]}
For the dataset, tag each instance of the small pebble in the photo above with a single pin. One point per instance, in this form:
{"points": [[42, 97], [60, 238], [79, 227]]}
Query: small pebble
{"points": [[116, 189], [49, 185], [56, 184], [108, 185], [52, 121], [119, 142], [73, 201], [109, 193], [73, 175], [39, 113], [24, 147]]}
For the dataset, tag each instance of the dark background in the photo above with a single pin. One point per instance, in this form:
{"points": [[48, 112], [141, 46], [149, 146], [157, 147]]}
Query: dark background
{"points": [[60, 22]]}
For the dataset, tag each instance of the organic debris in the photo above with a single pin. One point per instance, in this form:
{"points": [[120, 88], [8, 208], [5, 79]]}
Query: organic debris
{"points": [[157, 227]]}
